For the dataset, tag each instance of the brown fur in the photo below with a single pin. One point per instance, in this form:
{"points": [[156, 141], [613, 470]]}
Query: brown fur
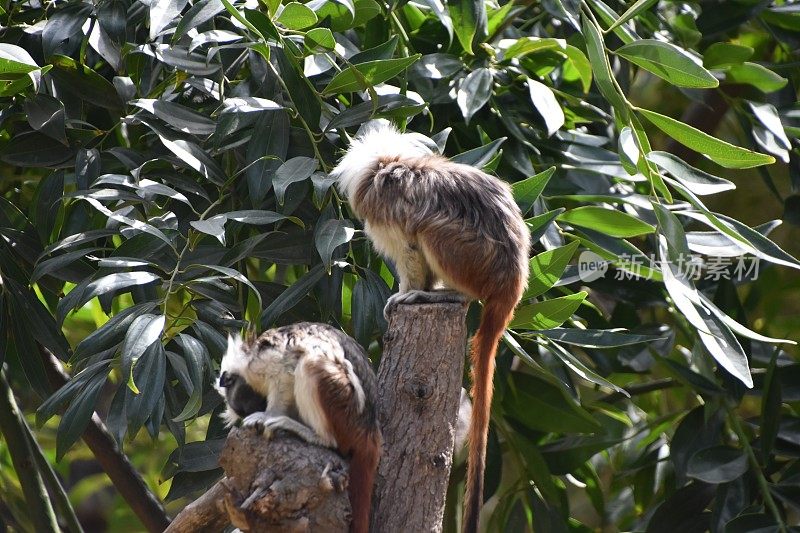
{"points": [[461, 226]]}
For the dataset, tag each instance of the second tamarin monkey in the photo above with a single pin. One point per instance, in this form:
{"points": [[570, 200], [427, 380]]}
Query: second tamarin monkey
{"points": [[442, 222], [316, 382]]}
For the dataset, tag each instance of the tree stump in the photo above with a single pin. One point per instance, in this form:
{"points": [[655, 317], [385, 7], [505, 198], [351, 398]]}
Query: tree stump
{"points": [[281, 484], [419, 383]]}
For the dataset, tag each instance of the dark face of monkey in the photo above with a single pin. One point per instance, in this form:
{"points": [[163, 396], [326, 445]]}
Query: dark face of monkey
{"points": [[240, 396]]}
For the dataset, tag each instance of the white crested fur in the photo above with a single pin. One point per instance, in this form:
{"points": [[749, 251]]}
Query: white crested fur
{"points": [[235, 360], [376, 139]]}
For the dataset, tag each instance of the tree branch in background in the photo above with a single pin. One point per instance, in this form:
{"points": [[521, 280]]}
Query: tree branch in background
{"points": [[123, 475], [420, 379], [42, 515]]}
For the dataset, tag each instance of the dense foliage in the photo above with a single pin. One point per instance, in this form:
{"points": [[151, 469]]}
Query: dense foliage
{"points": [[164, 183]]}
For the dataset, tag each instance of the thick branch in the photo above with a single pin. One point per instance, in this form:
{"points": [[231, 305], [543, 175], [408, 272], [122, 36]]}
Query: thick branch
{"points": [[123, 475], [420, 381], [281, 484]]}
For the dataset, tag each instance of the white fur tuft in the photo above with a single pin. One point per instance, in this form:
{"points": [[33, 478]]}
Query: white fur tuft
{"points": [[235, 359], [376, 139]]}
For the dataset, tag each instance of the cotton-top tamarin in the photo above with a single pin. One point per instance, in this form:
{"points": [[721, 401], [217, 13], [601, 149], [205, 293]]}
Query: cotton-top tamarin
{"points": [[316, 382], [443, 222]]}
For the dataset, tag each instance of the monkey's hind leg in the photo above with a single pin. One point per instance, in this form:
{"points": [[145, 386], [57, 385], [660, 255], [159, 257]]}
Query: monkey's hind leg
{"points": [[416, 279]]}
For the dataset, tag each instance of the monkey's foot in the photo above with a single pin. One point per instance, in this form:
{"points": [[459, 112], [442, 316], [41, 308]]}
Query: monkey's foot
{"points": [[269, 424], [257, 420], [416, 296]]}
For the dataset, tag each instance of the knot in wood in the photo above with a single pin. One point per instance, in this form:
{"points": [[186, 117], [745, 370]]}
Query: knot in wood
{"points": [[419, 387], [440, 460]]}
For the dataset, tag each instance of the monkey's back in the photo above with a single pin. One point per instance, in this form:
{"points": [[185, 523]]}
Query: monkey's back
{"points": [[467, 221]]}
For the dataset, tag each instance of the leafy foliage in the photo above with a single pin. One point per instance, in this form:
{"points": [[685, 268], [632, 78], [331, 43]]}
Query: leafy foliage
{"points": [[166, 170]]}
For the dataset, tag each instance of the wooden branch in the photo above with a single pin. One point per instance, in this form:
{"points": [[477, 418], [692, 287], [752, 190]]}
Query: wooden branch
{"points": [[278, 484], [123, 475], [43, 517], [419, 380]]}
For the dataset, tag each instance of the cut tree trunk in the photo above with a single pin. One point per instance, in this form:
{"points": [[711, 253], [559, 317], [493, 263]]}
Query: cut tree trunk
{"points": [[419, 384]]}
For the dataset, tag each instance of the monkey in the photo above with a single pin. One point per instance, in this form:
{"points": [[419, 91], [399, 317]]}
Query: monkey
{"points": [[445, 226], [316, 382]]}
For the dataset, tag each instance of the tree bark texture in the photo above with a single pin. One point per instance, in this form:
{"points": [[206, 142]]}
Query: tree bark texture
{"points": [[278, 484], [419, 384]]}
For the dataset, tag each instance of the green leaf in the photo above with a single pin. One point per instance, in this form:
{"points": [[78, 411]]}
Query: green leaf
{"points": [[320, 39], [480, 156], [35, 150], [668, 62], [474, 91], [46, 114], [329, 236], [609, 221], [292, 171], [200, 12], [547, 314], [546, 104], [373, 72], [756, 75], [84, 83], [14, 61], [67, 391], [195, 355], [631, 12], [700, 182], [577, 60], [527, 191], [718, 464], [144, 331], [544, 406], [528, 45], [721, 152], [600, 65], [297, 16], [539, 224], [597, 338], [178, 116], [145, 386], [469, 21], [110, 333], [547, 267], [78, 414], [720, 55], [291, 296]]}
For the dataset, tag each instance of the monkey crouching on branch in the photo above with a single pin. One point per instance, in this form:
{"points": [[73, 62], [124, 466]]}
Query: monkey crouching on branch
{"points": [[443, 222], [316, 382]]}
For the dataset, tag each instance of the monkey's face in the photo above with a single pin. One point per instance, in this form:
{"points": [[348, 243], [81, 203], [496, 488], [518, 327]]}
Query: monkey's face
{"points": [[240, 396]]}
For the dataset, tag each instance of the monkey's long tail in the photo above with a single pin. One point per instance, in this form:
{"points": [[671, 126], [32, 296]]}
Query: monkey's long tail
{"points": [[494, 319], [363, 464]]}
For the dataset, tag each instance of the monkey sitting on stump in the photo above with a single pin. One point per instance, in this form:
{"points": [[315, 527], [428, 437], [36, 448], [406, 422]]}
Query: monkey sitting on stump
{"points": [[441, 221], [316, 382]]}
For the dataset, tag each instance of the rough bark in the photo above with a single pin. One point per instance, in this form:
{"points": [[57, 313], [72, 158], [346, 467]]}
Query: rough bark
{"points": [[281, 484], [419, 380]]}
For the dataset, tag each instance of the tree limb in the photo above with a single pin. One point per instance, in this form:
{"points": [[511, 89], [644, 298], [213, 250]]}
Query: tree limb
{"points": [[279, 484]]}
